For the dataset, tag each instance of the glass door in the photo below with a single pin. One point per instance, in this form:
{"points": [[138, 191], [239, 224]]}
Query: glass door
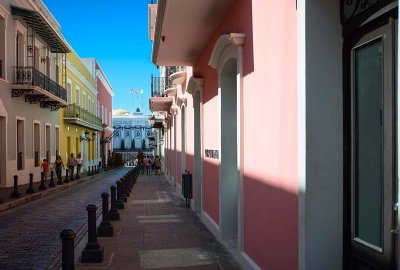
{"points": [[372, 151]]}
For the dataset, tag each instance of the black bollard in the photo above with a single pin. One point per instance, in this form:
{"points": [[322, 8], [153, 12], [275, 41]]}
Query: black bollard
{"points": [[114, 213], [89, 173], [66, 180], [105, 228], [120, 190], [93, 252], [68, 260], [15, 193], [120, 203], [30, 189], [124, 188], [51, 184], [71, 174], [42, 184]]}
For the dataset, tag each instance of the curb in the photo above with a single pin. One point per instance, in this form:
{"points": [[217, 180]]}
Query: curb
{"points": [[41, 194]]}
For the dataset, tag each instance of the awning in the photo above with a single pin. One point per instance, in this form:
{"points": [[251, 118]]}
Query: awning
{"points": [[42, 28]]}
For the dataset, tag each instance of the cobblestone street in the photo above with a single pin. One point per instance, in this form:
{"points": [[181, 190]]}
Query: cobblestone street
{"points": [[30, 233]]}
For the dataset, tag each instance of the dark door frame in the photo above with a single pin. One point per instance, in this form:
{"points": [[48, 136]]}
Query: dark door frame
{"points": [[350, 39]]}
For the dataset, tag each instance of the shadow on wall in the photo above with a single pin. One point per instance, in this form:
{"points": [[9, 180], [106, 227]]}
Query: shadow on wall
{"points": [[270, 214]]}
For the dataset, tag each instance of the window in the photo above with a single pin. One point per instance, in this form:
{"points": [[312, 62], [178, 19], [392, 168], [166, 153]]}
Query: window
{"points": [[77, 97], [57, 140], [106, 116], [89, 104], [84, 100], [20, 144], [36, 143], [47, 142], [69, 93], [102, 114]]}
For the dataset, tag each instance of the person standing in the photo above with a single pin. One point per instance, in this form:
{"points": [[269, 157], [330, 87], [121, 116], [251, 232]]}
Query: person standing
{"points": [[71, 165], [58, 165], [45, 168], [157, 165], [149, 164], [79, 164]]}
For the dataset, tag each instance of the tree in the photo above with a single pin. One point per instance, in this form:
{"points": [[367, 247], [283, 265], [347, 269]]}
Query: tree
{"points": [[143, 144], [122, 144]]}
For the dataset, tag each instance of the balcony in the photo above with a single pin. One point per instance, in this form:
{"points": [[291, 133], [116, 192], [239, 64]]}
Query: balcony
{"points": [[178, 75], [73, 114], [38, 88], [159, 89]]}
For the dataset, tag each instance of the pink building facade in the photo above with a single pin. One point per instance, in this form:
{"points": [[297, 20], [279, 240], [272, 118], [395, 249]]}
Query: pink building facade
{"points": [[104, 109], [285, 114]]}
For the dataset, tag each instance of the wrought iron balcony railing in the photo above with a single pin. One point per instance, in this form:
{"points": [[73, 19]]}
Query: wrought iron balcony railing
{"points": [[74, 111], [159, 85], [33, 77]]}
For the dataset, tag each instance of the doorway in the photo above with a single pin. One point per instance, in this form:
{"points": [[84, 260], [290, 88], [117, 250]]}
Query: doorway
{"points": [[229, 174], [370, 182]]}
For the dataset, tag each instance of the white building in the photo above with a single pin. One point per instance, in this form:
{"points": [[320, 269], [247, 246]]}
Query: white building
{"points": [[131, 132]]}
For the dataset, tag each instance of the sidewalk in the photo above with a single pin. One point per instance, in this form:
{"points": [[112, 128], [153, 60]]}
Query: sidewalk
{"points": [[9, 203], [157, 231]]}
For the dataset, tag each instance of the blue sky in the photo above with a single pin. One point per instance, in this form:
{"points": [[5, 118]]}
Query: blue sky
{"points": [[116, 34]]}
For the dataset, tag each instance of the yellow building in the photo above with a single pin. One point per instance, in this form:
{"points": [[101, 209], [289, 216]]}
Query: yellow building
{"points": [[79, 121]]}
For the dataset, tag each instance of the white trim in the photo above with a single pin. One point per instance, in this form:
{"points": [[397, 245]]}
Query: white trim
{"points": [[231, 46], [301, 131], [211, 225]]}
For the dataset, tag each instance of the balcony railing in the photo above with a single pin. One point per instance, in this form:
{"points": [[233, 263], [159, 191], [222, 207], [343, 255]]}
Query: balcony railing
{"points": [[33, 77], [159, 85], [74, 111]]}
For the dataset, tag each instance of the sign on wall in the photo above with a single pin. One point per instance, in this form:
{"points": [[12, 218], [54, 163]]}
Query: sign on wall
{"points": [[212, 153]]}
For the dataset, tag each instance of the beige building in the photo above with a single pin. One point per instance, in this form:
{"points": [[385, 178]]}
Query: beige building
{"points": [[32, 88]]}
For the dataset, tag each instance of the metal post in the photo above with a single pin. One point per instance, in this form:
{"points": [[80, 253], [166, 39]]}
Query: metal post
{"points": [[15, 193], [42, 184], [51, 184], [68, 260], [120, 203], [114, 213], [30, 189], [105, 228], [66, 180], [122, 191], [71, 175], [93, 252]]}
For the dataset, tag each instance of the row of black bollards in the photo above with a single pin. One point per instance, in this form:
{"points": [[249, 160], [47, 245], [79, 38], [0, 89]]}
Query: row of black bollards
{"points": [[93, 170], [94, 252], [30, 190]]}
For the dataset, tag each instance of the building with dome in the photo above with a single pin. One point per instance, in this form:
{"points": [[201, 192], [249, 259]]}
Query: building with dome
{"points": [[132, 132]]}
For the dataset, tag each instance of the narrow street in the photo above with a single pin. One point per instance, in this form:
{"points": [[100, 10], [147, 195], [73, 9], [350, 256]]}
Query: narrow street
{"points": [[30, 233]]}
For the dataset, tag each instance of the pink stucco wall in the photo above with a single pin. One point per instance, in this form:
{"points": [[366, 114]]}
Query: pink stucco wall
{"points": [[269, 131]]}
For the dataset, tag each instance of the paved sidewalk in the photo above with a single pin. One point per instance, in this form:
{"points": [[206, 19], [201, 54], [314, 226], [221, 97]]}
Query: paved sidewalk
{"points": [[157, 231]]}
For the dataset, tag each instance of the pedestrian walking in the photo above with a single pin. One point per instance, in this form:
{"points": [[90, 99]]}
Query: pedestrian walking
{"points": [[79, 164], [141, 163], [71, 165], [157, 165], [152, 165], [148, 165], [58, 166], [45, 168]]}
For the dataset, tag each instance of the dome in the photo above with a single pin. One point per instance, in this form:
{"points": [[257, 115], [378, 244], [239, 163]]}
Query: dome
{"points": [[120, 112]]}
